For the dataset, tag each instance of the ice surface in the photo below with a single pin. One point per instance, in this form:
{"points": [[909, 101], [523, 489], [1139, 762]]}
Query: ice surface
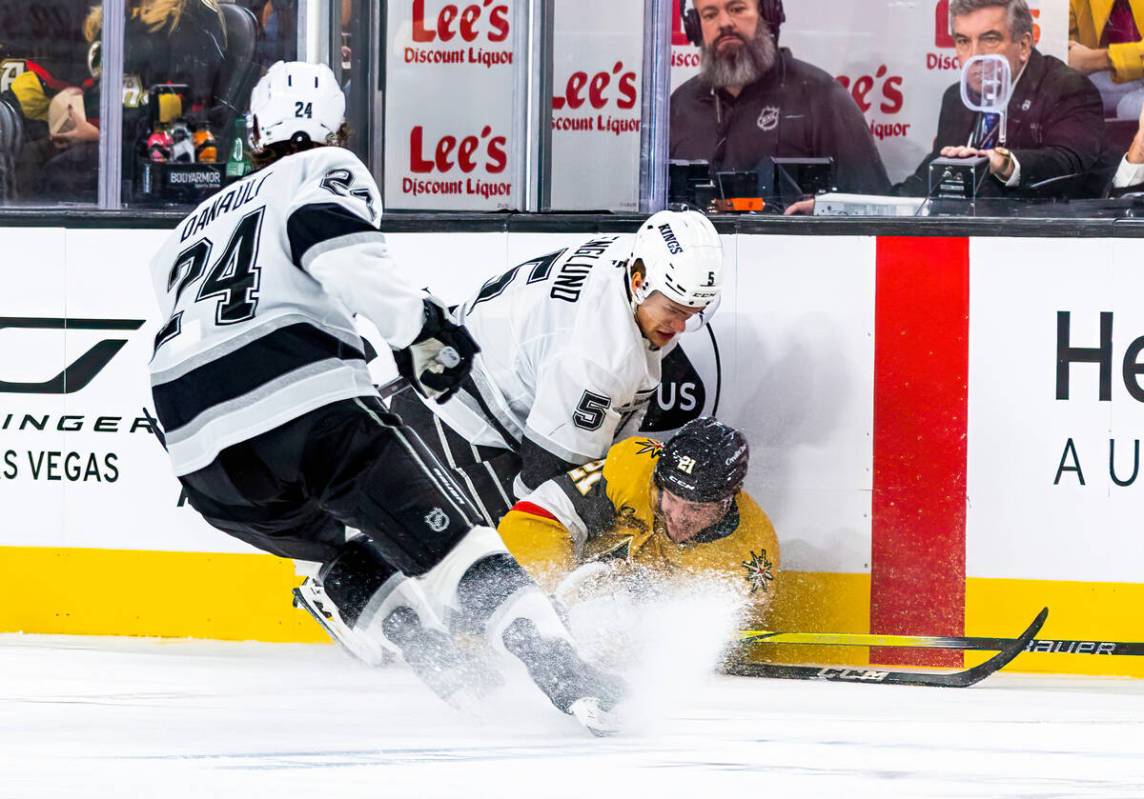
{"points": [[100, 717]]}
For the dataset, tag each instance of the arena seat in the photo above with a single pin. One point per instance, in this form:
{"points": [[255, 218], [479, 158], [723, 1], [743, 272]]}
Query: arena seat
{"points": [[11, 142], [239, 69]]}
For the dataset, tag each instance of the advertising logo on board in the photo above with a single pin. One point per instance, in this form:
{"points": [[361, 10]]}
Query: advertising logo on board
{"points": [[606, 102], [1086, 371], [476, 33], [80, 372], [26, 453], [691, 384], [460, 164]]}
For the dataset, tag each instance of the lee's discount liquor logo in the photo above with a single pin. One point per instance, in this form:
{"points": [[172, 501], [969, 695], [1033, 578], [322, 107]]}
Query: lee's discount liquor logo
{"points": [[461, 34], [582, 103], [879, 93], [435, 164]]}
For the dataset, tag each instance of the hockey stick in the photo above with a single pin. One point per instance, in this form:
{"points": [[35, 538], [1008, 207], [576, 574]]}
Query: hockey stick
{"points": [[1039, 645], [956, 679]]}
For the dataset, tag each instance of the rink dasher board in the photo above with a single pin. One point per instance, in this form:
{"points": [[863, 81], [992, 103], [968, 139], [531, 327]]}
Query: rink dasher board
{"points": [[797, 375]]}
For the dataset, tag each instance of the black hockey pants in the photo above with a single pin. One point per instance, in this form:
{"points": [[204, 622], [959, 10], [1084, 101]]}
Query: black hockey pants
{"points": [[486, 473], [293, 490]]}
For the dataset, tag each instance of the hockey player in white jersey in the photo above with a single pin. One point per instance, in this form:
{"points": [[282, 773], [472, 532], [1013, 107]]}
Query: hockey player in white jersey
{"points": [[279, 437], [572, 345]]}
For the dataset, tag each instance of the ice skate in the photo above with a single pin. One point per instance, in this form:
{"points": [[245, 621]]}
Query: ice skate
{"points": [[573, 685], [595, 719], [311, 597]]}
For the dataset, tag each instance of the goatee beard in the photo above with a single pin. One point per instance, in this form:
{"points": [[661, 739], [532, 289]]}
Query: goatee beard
{"points": [[739, 66]]}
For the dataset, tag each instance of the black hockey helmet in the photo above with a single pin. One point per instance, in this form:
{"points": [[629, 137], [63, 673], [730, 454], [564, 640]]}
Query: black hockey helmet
{"points": [[706, 461]]}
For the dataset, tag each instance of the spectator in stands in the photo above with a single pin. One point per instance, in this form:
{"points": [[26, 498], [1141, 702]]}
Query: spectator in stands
{"points": [[1056, 136], [168, 41], [1105, 43], [753, 100], [279, 40], [165, 41], [1130, 174], [43, 43]]}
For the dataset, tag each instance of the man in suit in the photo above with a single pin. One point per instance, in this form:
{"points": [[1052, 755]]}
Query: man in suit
{"points": [[1055, 146]]}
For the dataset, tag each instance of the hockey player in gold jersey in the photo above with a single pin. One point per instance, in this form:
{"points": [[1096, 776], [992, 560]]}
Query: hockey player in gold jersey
{"points": [[675, 510]]}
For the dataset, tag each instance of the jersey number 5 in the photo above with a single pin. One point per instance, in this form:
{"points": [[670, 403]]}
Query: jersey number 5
{"points": [[233, 279], [590, 412]]}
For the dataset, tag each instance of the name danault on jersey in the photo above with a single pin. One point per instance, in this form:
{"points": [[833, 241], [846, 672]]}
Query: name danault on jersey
{"points": [[236, 197]]}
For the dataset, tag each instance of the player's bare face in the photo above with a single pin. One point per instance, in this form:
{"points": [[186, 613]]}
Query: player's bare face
{"points": [[684, 520], [660, 319]]}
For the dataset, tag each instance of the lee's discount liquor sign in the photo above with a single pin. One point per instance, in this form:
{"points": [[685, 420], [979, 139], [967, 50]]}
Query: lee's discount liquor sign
{"points": [[449, 105], [596, 86], [895, 58]]}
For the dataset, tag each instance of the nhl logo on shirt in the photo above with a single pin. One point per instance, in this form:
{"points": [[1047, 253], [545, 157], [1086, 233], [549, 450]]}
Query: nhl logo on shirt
{"points": [[769, 118], [437, 520]]}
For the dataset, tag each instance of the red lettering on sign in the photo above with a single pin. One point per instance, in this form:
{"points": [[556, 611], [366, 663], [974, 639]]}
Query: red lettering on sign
{"points": [[453, 21], [464, 153], [886, 89], [941, 35], [598, 86]]}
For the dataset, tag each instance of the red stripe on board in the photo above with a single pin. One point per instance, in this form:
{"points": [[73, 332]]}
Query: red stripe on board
{"points": [[921, 370]]}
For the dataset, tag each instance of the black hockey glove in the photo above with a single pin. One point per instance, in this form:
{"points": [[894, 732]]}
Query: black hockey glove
{"points": [[439, 358]]}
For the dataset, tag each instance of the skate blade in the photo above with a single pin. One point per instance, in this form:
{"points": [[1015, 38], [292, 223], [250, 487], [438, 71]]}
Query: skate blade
{"points": [[596, 720]]}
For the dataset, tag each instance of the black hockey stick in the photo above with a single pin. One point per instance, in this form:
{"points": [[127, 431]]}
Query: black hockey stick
{"points": [[1060, 646], [956, 679]]}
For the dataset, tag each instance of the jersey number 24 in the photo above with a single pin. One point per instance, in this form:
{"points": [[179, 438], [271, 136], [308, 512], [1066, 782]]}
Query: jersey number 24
{"points": [[233, 279]]}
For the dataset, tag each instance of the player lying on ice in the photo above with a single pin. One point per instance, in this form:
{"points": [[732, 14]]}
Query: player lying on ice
{"points": [[650, 513], [280, 439]]}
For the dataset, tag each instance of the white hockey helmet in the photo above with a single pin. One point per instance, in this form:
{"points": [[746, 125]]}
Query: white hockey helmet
{"points": [[295, 98], [682, 258]]}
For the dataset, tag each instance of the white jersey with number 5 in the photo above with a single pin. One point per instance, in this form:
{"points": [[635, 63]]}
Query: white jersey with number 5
{"points": [[257, 290], [563, 364]]}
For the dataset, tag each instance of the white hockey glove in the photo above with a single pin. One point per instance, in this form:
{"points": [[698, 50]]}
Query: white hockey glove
{"points": [[441, 356]]}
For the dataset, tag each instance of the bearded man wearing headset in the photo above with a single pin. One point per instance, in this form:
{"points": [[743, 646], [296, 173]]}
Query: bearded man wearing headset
{"points": [[752, 100]]}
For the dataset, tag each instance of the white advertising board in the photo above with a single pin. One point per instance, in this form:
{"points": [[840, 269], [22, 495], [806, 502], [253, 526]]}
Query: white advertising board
{"points": [[32, 343], [596, 120], [792, 369], [897, 59], [1051, 434], [450, 105], [79, 467], [801, 388]]}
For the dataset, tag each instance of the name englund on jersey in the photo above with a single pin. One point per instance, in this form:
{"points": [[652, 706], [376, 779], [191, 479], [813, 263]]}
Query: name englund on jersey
{"points": [[562, 360], [250, 338]]}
